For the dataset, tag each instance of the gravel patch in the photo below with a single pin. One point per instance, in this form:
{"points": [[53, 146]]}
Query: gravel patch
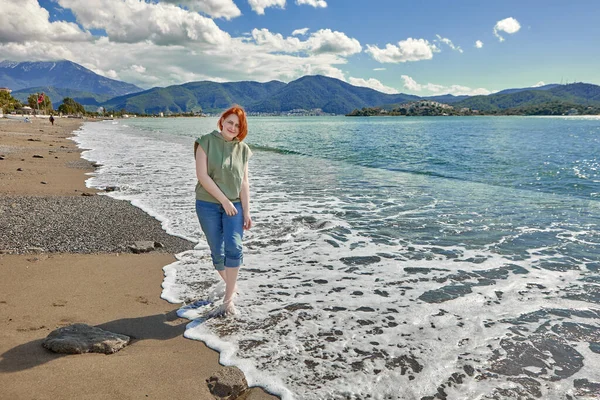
{"points": [[95, 224]]}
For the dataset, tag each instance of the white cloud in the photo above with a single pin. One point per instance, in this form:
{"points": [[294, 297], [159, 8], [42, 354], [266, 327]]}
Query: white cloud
{"points": [[135, 48], [457, 90], [320, 42], [508, 25], [215, 8], [479, 44], [328, 41], [314, 3], [379, 69], [540, 83], [302, 31], [131, 21], [407, 50], [449, 43], [112, 74], [26, 20], [276, 42], [373, 84], [258, 6], [138, 68]]}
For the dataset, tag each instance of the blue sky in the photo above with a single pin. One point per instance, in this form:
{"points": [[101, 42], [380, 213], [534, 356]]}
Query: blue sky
{"points": [[422, 48]]}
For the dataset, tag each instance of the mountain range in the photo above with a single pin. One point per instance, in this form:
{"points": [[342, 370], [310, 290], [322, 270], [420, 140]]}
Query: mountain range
{"points": [[66, 79], [60, 74]]}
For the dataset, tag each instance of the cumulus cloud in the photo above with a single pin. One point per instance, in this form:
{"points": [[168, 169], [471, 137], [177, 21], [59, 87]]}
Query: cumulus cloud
{"points": [[328, 41], [373, 84], [258, 6], [314, 3], [379, 69], [507, 25], [140, 50], [163, 24], [406, 50], [320, 42], [215, 8], [26, 20], [479, 44], [302, 31], [540, 83], [138, 68], [449, 43], [457, 90], [276, 41]]}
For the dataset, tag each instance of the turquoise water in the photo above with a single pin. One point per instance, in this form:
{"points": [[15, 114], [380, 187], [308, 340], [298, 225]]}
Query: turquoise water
{"points": [[398, 256]]}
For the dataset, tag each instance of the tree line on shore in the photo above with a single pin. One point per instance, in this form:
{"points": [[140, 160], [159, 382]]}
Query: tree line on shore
{"points": [[42, 102], [419, 109]]}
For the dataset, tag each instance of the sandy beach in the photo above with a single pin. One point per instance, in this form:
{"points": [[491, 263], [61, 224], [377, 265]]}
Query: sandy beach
{"points": [[64, 260]]}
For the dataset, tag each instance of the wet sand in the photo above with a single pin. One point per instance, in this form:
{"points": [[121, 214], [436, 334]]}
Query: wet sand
{"points": [[43, 289]]}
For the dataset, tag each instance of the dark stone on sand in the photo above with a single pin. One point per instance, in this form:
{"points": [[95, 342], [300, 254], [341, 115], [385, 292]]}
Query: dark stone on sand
{"points": [[82, 338], [446, 293], [298, 306], [469, 370], [336, 309], [365, 309], [87, 194], [1, 157], [364, 260], [143, 246], [19, 169], [44, 182], [228, 383], [37, 156], [417, 270]]}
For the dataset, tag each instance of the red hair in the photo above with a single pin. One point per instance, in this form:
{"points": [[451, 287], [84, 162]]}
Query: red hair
{"points": [[241, 114]]}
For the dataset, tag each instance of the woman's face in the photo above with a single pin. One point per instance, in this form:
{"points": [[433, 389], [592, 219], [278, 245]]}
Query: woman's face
{"points": [[231, 127]]}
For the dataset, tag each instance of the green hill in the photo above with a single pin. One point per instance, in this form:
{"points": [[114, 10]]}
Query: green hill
{"points": [[574, 94], [309, 92], [194, 96]]}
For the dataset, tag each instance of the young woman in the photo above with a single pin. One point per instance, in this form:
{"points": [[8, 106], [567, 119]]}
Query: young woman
{"points": [[223, 197]]}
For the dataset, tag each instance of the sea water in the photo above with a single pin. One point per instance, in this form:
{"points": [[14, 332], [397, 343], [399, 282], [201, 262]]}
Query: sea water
{"points": [[390, 258]]}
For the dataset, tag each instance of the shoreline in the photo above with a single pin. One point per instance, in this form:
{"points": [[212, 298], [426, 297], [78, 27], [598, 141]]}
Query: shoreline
{"points": [[64, 260]]}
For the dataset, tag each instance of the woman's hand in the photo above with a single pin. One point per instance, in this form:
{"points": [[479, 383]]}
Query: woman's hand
{"points": [[247, 221], [229, 208]]}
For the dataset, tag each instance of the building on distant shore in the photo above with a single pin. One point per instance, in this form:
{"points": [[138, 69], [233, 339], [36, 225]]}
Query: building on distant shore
{"points": [[5, 89]]}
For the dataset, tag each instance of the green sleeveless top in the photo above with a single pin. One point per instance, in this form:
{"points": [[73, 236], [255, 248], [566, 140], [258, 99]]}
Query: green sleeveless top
{"points": [[226, 163]]}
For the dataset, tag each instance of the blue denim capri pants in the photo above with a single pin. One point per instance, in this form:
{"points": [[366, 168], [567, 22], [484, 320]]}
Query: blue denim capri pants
{"points": [[223, 233]]}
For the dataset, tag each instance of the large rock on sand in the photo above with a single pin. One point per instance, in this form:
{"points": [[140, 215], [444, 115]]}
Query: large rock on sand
{"points": [[142, 246], [82, 338], [228, 383]]}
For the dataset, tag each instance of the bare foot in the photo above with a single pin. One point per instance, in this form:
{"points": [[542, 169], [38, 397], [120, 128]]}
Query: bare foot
{"points": [[222, 310]]}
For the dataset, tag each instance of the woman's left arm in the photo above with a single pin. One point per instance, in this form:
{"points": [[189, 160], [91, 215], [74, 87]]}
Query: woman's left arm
{"points": [[245, 198]]}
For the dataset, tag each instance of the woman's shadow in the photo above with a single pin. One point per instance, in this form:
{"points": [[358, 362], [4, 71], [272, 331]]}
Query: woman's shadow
{"points": [[158, 327]]}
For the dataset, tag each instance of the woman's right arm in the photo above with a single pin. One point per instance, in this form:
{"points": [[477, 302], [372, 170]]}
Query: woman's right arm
{"points": [[209, 185]]}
